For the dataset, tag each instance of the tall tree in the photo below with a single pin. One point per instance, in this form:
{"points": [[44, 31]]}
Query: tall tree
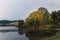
{"points": [[42, 15]]}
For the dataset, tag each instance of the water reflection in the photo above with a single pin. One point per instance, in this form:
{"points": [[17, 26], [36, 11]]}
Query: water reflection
{"points": [[21, 31], [32, 35], [36, 34], [22, 34], [11, 33]]}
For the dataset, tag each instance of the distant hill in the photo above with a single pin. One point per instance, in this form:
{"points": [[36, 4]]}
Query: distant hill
{"points": [[6, 21]]}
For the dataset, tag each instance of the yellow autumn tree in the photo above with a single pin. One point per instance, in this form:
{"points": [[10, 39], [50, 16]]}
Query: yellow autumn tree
{"points": [[42, 15]]}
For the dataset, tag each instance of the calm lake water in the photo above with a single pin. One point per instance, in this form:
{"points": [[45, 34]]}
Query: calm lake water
{"points": [[11, 33]]}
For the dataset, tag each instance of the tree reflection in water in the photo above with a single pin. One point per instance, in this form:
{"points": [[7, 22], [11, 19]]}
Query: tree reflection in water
{"points": [[20, 31], [36, 34]]}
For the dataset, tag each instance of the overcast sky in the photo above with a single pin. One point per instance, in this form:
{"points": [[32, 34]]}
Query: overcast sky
{"points": [[20, 9]]}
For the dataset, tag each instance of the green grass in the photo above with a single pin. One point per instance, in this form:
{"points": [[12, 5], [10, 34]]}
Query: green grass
{"points": [[55, 37]]}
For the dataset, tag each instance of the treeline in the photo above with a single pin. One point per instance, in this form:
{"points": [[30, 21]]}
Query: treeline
{"points": [[6, 21], [41, 23]]}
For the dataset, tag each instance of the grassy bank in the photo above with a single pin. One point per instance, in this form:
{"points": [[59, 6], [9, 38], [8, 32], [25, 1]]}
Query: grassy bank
{"points": [[55, 37]]}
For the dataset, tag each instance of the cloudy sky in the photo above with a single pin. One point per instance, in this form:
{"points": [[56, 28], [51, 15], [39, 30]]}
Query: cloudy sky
{"points": [[20, 9]]}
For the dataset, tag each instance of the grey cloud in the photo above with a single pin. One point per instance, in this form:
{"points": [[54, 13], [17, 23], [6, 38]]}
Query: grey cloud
{"points": [[20, 9]]}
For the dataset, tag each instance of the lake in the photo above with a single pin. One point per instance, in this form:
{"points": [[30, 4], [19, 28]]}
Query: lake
{"points": [[11, 33]]}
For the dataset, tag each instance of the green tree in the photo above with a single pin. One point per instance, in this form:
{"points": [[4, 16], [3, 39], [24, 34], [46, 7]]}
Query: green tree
{"points": [[56, 17]]}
